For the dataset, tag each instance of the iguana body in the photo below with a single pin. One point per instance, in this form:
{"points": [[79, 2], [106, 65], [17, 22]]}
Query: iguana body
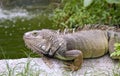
{"points": [[71, 46]]}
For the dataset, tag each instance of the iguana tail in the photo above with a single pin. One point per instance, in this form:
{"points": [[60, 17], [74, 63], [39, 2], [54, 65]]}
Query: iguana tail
{"points": [[113, 37]]}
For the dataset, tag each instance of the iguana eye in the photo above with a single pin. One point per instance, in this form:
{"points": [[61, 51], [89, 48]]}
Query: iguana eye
{"points": [[34, 33]]}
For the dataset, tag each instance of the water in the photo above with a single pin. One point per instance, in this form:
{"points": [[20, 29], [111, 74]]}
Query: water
{"points": [[9, 14], [13, 24]]}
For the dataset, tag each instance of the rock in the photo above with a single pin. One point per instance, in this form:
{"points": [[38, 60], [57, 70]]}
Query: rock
{"points": [[103, 66]]}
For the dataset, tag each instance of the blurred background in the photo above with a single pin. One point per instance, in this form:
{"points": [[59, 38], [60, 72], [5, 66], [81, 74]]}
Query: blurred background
{"points": [[20, 16]]}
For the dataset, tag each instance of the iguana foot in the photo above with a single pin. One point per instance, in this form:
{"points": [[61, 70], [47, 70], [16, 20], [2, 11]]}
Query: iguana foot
{"points": [[71, 67]]}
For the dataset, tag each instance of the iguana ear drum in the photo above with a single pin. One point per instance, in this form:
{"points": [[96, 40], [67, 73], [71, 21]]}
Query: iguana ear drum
{"points": [[43, 47]]}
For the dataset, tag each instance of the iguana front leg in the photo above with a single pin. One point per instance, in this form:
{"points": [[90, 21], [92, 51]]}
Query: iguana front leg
{"points": [[76, 56]]}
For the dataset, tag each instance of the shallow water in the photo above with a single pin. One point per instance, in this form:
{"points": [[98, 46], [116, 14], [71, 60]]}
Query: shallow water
{"points": [[13, 24]]}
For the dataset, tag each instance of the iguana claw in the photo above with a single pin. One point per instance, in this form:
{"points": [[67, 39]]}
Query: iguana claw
{"points": [[70, 67]]}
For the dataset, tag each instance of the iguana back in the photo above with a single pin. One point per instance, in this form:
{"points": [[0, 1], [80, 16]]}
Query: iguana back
{"points": [[93, 43]]}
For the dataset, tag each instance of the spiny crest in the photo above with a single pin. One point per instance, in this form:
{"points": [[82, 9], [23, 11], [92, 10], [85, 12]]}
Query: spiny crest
{"points": [[65, 31], [98, 26], [88, 27]]}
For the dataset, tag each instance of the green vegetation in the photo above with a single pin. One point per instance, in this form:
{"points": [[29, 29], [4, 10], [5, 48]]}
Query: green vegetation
{"points": [[117, 50], [26, 70], [74, 13]]}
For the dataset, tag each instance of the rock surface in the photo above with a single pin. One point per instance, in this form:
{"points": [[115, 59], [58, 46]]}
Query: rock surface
{"points": [[103, 66]]}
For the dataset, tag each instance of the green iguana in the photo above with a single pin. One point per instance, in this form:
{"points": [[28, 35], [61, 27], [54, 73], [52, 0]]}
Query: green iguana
{"points": [[72, 46]]}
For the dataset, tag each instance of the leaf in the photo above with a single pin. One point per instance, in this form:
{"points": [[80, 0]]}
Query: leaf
{"points": [[117, 50], [117, 46], [113, 1], [87, 3]]}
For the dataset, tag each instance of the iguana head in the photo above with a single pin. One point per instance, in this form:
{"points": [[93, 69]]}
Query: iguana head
{"points": [[38, 40]]}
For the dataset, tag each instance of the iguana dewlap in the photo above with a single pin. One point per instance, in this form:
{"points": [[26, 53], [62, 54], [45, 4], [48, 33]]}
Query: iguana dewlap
{"points": [[71, 46]]}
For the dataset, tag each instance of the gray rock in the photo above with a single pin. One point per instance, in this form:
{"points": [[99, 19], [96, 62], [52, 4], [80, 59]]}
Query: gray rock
{"points": [[103, 66]]}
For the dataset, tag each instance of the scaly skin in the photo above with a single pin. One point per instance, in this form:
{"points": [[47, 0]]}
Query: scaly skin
{"points": [[71, 46]]}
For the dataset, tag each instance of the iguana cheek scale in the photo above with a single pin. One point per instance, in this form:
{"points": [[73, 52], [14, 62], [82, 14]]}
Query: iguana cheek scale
{"points": [[71, 46]]}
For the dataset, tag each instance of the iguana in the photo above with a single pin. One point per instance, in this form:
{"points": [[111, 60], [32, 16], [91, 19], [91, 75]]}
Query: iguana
{"points": [[72, 46]]}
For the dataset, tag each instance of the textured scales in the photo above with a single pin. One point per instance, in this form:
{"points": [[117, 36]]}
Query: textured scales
{"points": [[71, 46]]}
